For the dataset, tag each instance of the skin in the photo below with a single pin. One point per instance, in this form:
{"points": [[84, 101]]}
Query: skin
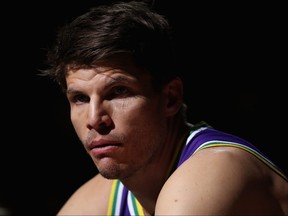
{"points": [[130, 131]]}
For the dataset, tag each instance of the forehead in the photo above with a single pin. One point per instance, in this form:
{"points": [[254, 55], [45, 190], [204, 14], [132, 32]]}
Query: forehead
{"points": [[119, 63], [115, 70], [99, 75]]}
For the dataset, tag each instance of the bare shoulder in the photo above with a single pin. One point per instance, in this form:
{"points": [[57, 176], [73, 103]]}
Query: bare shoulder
{"points": [[90, 199], [220, 180]]}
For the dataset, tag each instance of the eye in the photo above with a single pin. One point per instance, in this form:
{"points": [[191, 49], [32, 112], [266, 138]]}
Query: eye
{"points": [[120, 90], [79, 98]]}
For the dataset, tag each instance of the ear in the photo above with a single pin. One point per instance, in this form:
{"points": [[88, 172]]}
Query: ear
{"points": [[174, 96]]}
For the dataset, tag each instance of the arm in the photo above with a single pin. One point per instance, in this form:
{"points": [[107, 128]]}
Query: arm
{"points": [[90, 199], [217, 181]]}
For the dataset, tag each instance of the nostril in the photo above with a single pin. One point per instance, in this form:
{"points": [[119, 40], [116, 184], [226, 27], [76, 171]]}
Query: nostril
{"points": [[104, 129], [101, 122]]}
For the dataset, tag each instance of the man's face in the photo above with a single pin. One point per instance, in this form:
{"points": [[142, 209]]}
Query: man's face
{"points": [[118, 117]]}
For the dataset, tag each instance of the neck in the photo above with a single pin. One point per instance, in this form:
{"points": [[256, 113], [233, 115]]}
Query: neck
{"points": [[148, 182]]}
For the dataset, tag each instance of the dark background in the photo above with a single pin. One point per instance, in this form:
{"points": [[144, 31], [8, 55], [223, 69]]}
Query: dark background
{"points": [[232, 59]]}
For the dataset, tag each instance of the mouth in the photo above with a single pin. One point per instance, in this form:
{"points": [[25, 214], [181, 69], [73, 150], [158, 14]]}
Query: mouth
{"points": [[102, 144], [103, 147]]}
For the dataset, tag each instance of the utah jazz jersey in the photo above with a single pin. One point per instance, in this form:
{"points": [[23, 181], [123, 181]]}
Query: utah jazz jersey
{"points": [[123, 203]]}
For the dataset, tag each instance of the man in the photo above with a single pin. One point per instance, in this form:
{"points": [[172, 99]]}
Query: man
{"points": [[115, 64]]}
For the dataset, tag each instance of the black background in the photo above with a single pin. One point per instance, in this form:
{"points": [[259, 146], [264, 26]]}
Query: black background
{"points": [[231, 56]]}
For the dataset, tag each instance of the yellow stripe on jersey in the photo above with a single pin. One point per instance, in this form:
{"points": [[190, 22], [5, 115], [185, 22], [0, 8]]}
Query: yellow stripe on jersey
{"points": [[112, 198], [246, 148], [140, 210]]}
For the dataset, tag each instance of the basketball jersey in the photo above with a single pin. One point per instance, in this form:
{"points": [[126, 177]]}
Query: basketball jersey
{"points": [[123, 203]]}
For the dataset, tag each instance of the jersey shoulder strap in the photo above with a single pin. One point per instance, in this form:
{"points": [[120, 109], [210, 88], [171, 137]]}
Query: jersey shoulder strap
{"points": [[122, 202]]}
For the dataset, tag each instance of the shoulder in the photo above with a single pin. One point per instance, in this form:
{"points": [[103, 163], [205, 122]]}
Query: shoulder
{"points": [[215, 180], [86, 199]]}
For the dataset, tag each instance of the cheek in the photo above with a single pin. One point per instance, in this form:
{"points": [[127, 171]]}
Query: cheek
{"points": [[143, 115], [77, 121], [136, 109]]}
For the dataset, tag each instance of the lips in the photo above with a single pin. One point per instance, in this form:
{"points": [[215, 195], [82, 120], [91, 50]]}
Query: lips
{"points": [[103, 147], [102, 143]]}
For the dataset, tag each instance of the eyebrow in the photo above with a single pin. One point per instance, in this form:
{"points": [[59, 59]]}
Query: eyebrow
{"points": [[118, 79], [71, 91], [110, 82]]}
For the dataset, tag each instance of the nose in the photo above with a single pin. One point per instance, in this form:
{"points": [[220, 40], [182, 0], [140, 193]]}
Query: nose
{"points": [[99, 118]]}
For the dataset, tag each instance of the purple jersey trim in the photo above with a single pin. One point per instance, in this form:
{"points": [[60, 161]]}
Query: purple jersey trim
{"points": [[195, 140]]}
